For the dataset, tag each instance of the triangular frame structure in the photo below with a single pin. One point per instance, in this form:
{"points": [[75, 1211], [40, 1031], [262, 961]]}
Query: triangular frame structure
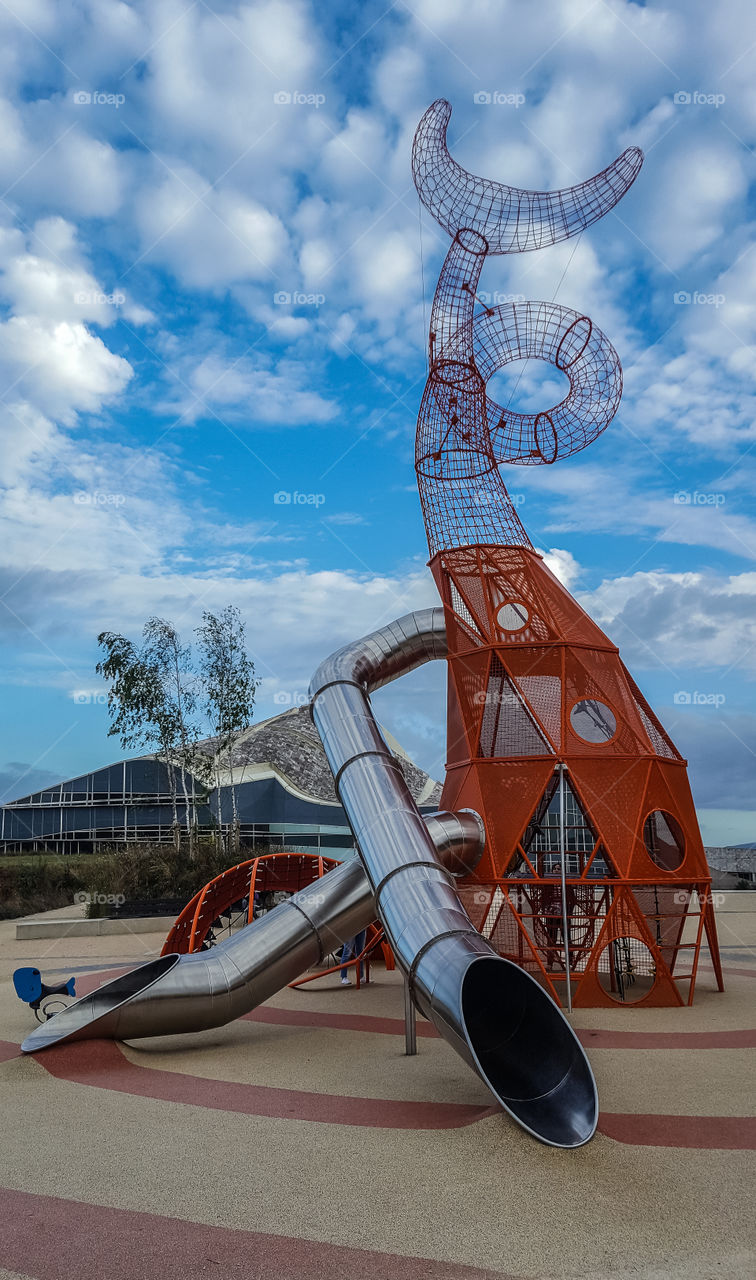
{"points": [[535, 687]]}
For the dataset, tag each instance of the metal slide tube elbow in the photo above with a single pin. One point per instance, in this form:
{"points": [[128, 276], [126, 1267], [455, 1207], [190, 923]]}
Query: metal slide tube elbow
{"points": [[504, 1025], [184, 993]]}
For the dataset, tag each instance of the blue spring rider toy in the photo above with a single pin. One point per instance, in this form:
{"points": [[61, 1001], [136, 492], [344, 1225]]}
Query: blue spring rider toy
{"points": [[45, 1001]]}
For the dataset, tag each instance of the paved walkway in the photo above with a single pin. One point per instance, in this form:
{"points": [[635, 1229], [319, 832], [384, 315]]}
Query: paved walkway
{"points": [[300, 1141]]}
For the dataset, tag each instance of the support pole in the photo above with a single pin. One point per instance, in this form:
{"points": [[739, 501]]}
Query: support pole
{"points": [[565, 914], [410, 1023]]}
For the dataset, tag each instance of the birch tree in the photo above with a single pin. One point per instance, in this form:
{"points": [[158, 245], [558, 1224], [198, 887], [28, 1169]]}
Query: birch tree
{"points": [[164, 652], [228, 682], [139, 712]]}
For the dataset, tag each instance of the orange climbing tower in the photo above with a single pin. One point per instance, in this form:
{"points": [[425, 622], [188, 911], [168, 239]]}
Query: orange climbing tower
{"points": [[551, 740]]}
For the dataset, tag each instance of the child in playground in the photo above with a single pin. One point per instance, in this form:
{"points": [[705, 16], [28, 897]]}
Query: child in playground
{"points": [[351, 949]]}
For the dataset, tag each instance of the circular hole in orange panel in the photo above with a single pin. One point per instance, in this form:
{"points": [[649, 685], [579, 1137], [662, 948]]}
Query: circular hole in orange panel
{"points": [[664, 839], [593, 721], [512, 616], [626, 970]]}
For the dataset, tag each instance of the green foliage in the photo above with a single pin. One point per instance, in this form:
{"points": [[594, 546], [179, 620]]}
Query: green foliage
{"points": [[39, 884], [227, 676], [134, 693], [138, 872], [227, 673]]}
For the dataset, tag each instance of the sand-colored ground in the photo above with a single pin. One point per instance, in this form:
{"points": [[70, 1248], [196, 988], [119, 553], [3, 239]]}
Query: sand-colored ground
{"points": [[232, 1151]]}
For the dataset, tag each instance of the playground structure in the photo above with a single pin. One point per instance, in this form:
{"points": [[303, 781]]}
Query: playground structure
{"points": [[594, 861], [242, 894], [569, 816]]}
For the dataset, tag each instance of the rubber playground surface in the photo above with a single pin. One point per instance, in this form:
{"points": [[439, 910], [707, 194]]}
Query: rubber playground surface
{"points": [[300, 1141]]}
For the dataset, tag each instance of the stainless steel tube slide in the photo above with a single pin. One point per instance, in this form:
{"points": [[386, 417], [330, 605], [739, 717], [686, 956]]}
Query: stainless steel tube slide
{"points": [[490, 1011], [181, 993]]}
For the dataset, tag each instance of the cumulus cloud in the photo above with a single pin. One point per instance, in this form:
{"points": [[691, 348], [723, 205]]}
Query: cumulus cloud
{"points": [[258, 390], [209, 239], [681, 620], [62, 368]]}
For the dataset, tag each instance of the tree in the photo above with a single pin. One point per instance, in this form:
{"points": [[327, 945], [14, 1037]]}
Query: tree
{"points": [[164, 653], [228, 681], [137, 706]]}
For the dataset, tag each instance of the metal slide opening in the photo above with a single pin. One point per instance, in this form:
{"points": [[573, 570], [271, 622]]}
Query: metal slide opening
{"points": [[104, 1000], [528, 1054]]}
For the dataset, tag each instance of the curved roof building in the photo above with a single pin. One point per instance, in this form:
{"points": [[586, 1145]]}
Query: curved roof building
{"points": [[284, 795]]}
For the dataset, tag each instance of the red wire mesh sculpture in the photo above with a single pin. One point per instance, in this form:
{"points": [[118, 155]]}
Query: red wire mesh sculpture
{"points": [[549, 739]]}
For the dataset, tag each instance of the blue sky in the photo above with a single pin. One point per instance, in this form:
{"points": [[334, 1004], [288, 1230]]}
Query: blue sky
{"points": [[211, 291]]}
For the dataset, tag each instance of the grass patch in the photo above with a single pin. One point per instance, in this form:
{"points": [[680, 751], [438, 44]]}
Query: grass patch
{"points": [[137, 873]]}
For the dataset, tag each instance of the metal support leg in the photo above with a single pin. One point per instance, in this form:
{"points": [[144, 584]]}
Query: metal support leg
{"points": [[410, 1023], [565, 913]]}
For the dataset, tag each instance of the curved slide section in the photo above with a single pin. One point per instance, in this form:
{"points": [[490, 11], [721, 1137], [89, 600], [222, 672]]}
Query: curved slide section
{"points": [[183, 993], [492, 1013]]}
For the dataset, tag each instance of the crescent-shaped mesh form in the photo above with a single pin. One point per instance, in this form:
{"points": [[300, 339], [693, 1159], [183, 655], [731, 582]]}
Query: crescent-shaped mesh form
{"points": [[512, 220]]}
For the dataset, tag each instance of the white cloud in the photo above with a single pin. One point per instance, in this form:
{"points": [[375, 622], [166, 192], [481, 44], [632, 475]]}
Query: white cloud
{"points": [[209, 239], [697, 192], [641, 495], [563, 565], [679, 620], [62, 368], [255, 389]]}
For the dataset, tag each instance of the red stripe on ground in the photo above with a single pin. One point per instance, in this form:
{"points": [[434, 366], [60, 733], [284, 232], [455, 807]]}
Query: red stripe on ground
{"points": [[730, 1133], [54, 1239], [590, 1037], [101, 1064], [603, 1039], [337, 1021], [8, 1051], [596, 1038], [89, 982]]}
